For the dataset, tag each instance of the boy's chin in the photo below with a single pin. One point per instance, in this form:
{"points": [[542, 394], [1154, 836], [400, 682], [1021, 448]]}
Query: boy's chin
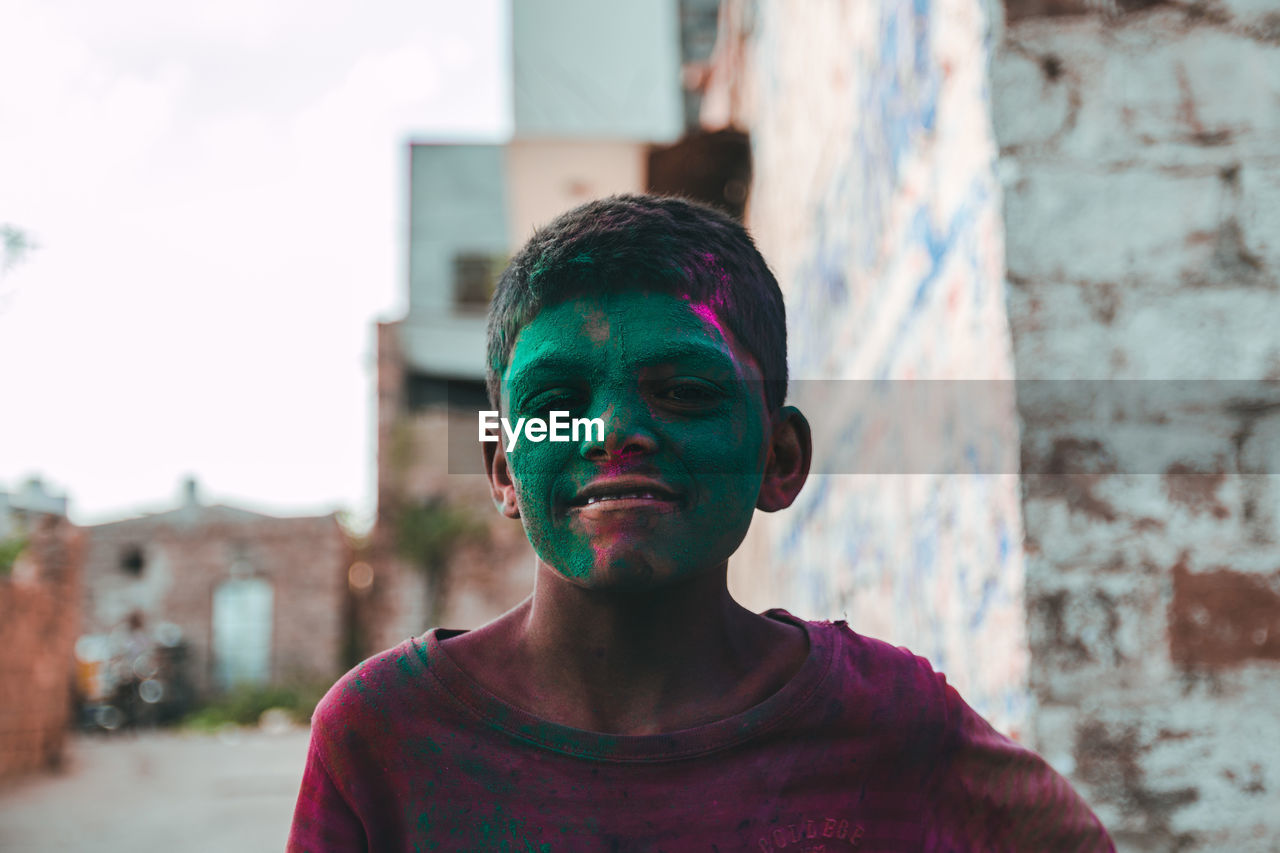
{"points": [[628, 573]]}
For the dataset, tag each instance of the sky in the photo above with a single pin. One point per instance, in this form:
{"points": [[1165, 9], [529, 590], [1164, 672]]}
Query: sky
{"points": [[218, 194]]}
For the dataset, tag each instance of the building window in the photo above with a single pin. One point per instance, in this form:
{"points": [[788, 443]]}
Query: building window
{"points": [[133, 560], [461, 396], [474, 276], [238, 564]]}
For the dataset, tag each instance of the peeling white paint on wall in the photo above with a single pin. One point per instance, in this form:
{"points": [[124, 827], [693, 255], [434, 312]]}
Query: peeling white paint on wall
{"points": [[1142, 188]]}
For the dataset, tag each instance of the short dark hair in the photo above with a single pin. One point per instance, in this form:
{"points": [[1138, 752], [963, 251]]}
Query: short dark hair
{"points": [[632, 242]]}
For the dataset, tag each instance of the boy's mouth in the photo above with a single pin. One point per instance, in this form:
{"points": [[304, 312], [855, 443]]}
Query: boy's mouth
{"points": [[624, 493]]}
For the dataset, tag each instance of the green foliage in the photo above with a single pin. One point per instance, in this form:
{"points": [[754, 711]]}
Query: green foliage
{"points": [[9, 551], [243, 706], [427, 533], [15, 246]]}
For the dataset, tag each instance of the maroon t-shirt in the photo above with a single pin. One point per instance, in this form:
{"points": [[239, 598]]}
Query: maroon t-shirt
{"points": [[865, 748]]}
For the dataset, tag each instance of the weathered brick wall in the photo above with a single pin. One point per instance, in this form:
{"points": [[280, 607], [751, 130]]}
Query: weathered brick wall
{"points": [[1141, 156], [876, 203], [39, 621], [308, 560], [186, 558], [488, 574]]}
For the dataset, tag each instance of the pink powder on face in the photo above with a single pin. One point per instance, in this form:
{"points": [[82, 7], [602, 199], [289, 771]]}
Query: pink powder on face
{"points": [[706, 310], [708, 316]]}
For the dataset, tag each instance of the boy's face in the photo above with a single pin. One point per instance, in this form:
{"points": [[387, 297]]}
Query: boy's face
{"points": [[688, 442]]}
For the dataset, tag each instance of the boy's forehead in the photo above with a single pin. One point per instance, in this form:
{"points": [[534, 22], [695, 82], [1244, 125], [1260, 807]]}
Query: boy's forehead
{"points": [[593, 321], [632, 321], [633, 326]]}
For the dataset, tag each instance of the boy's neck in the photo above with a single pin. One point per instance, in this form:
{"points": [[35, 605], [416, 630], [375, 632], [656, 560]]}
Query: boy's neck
{"points": [[632, 662]]}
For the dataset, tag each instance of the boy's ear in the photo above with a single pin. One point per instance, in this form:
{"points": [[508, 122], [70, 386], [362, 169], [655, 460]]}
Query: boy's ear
{"points": [[787, 468], [501, 486]]}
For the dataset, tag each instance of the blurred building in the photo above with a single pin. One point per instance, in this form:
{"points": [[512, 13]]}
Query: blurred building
{"points": [[21, 510], [602, 98], [40, 571], [252, 599]]}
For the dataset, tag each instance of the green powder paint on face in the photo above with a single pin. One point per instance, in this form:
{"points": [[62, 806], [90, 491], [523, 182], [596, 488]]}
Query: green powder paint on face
{"points": [[662, 374]]}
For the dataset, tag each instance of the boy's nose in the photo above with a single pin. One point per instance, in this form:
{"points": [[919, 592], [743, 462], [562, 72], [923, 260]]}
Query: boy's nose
{"points": [[624, 435]]}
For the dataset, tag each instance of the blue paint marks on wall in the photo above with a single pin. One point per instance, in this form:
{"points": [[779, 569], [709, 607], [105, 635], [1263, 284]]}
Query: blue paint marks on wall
{"points": [[886, 242]]}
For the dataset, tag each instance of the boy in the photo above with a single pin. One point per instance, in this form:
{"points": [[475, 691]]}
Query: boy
{"points": [[630, 703]]}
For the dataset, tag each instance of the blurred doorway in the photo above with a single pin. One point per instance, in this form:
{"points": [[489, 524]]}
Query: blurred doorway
{"points": [[242, 616]]}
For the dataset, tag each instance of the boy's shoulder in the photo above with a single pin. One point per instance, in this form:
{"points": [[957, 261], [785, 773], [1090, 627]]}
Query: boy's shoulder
{"points": [[863, 662], [875, 681], [382, 685]]}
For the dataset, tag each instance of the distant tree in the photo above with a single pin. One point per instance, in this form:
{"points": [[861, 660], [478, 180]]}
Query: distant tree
{"points": [[10, 549], [428, 534], [15, 245]]}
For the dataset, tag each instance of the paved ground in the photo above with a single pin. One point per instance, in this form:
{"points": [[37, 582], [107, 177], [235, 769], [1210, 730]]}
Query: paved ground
{"points": [[160, 792]]}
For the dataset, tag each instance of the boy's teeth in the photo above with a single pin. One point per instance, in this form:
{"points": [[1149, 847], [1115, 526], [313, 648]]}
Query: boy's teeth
{"points": [[598, 498]]}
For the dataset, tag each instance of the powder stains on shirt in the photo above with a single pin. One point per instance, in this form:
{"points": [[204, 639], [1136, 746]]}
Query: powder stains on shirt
{"points": [[865, 748]]}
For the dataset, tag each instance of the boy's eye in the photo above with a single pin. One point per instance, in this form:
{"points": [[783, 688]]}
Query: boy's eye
{"points": [[686, 394], [560, 399]]}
